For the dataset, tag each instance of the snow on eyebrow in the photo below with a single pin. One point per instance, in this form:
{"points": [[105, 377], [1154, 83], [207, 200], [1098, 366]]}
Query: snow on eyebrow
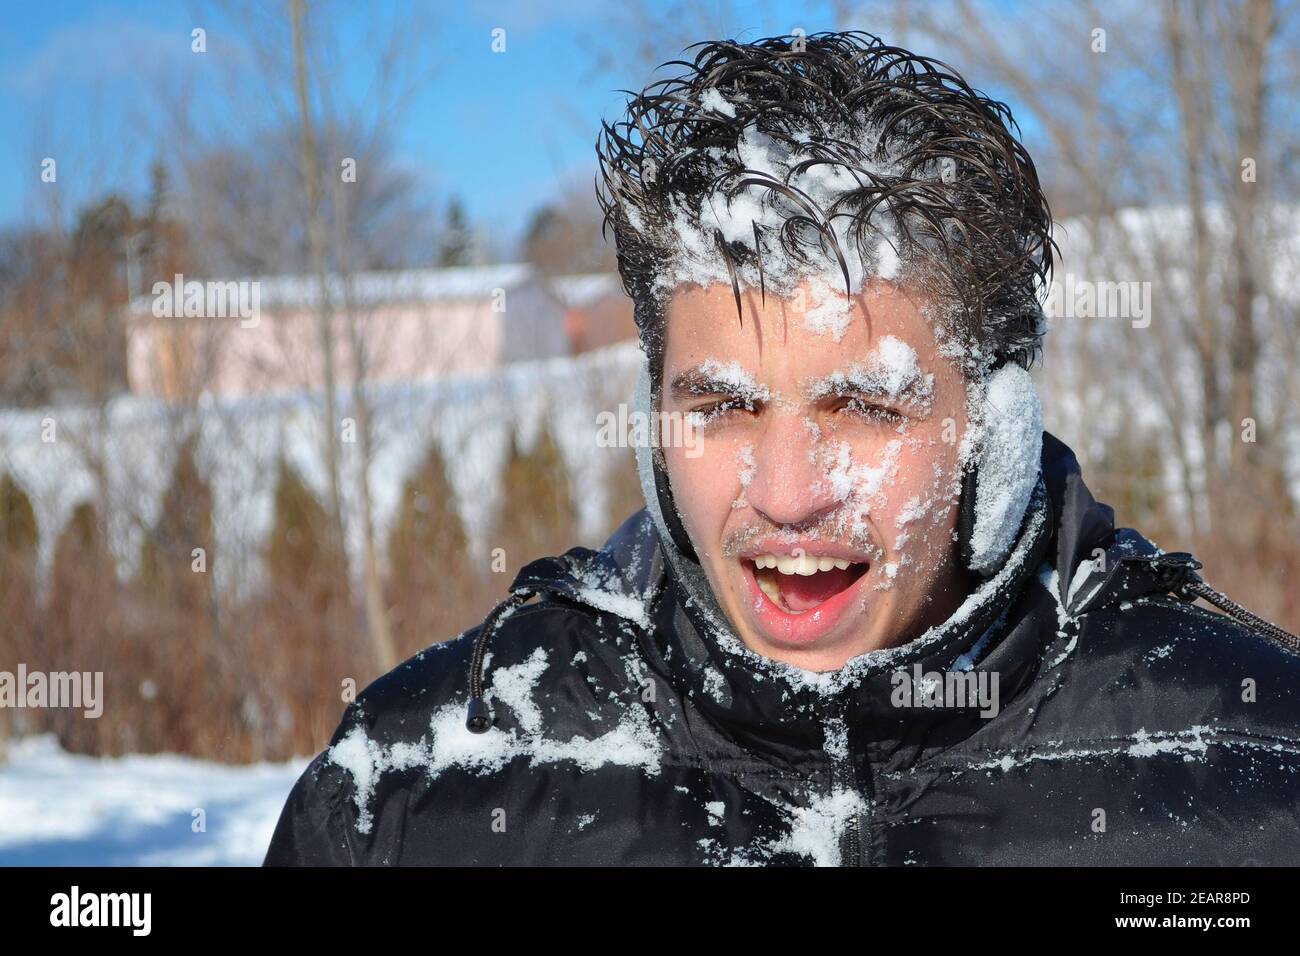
{"points": [[449, 743], [738, 380], [891, 371]]}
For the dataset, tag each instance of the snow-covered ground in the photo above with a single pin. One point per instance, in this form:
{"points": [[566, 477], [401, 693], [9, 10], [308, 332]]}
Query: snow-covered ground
{"points": [[60, 809]]}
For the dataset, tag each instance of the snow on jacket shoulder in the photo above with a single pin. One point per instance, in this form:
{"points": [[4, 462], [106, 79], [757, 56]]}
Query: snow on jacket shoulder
{"points": [[1102, 722]]}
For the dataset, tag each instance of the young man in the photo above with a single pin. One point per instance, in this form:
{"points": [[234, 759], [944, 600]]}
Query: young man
{"points": [[871, 614]]}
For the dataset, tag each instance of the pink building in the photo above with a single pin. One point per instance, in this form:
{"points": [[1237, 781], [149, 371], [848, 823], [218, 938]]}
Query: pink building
{"points": [[598, 313], [256, 335]]}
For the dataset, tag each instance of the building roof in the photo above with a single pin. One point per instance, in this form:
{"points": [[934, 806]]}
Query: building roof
{"points": [[377, 288], [578, 291]]}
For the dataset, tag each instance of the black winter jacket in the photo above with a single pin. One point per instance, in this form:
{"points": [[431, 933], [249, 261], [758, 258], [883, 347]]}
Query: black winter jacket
{"points": [[1131, 727]]}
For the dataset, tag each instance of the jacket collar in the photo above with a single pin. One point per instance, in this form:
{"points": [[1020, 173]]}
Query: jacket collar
{"points": [[785, 712]]}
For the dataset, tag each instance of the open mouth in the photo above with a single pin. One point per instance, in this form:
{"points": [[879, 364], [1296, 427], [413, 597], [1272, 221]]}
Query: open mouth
{"points": [[800, 584]]}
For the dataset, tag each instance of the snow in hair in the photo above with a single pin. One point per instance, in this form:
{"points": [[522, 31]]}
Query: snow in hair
{"points": [[831, 158]]}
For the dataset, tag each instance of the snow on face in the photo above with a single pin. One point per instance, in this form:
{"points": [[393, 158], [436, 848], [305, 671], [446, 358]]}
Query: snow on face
{"points": [[827, 447], [746, 459], [858, 485], [829, 313], [743, 384], [891, 372]]}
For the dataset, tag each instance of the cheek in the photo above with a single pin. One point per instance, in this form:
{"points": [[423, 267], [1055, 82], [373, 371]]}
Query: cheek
{"points": [[920, 512], [704, 486]]}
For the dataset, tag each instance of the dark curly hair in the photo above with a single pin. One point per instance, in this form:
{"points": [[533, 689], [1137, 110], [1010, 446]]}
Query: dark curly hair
{"points": [[941, 163]]}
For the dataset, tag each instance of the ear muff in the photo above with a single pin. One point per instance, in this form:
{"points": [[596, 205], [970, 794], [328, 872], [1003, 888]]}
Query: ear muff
{"points": [[653, 474], [997, 486], [672, 520], [966, 518]]}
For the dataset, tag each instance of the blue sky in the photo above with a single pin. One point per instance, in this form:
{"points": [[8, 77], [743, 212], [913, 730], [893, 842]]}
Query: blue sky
{"points": [[79, 79]]}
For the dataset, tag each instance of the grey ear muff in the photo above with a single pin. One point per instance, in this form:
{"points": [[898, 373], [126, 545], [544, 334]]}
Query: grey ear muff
{"points": [[672, 520], [654, 478], [966, 519], [997, 487]]}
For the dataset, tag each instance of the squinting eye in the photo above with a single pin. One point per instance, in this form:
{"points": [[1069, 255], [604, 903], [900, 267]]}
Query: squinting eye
{"points": [[717, 410], [872, 412]]}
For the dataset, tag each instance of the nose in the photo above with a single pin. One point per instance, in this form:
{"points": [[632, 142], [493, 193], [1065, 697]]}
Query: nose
{"points": [[788, 486]]}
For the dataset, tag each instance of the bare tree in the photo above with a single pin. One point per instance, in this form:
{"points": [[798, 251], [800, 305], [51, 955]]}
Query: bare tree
{"points": [[338, 225]]}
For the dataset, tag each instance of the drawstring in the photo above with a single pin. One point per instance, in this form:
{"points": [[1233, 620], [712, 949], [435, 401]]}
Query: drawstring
{"points": [[1236, 611], [1178, 574], [478, 717]]}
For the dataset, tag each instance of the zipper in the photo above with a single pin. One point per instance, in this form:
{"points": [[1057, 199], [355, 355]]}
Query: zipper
{"points": [[843, 777]]}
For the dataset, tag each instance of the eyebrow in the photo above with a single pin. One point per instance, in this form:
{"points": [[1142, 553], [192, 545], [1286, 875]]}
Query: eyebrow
{"points": [[915, 389], [711, 378]]}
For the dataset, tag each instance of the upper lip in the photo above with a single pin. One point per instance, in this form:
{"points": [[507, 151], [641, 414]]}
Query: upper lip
{"points": [[811, 548]]}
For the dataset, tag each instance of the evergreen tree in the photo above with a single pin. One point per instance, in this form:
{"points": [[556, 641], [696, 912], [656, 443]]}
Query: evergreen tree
{"points": [[83, 626], [537, 516], [457, 242], [18, 533], [304, 557], [309, 640], [622, 489], [435, 591], [167, 558], [172, 630], [18, 540]]}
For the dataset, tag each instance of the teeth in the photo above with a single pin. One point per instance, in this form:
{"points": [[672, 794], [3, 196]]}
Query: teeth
{"points": [[768, 587], [803, 564]]}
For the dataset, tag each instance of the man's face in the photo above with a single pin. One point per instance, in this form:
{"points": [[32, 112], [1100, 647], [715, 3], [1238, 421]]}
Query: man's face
{"points": [[822, 496]]}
